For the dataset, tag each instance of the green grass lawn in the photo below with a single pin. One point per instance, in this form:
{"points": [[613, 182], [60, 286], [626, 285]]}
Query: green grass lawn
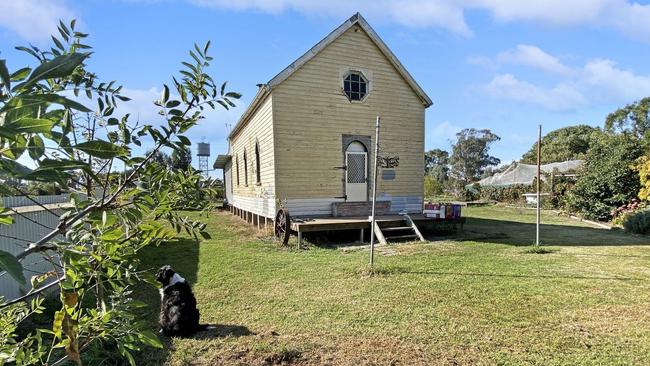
{"points": [[475, 297]]}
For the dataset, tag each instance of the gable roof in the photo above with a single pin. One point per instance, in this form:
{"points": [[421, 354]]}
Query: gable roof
{"points": [[356, 19]]}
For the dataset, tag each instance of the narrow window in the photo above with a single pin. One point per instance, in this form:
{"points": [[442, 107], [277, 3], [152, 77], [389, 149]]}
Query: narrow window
{"points": [[258, 174], [237, 165], [245, 169], [355, 86]]}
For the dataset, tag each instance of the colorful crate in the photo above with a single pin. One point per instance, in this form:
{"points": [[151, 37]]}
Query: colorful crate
{"points": [[442, 211]]}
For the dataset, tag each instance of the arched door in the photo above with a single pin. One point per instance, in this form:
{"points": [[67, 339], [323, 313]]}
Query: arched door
{"points": [[356, 181]]}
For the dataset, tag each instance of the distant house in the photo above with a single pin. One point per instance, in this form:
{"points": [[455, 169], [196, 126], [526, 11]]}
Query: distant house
{"points": [[306, 141]]}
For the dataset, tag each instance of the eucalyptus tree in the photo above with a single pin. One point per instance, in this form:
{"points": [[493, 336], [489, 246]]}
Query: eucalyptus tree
{"points": [[470, 155], [633, 119], [63, 118]]}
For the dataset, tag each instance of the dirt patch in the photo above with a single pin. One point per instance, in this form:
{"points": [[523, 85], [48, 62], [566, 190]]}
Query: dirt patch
{"points": [[312, 350], [284, 357]]}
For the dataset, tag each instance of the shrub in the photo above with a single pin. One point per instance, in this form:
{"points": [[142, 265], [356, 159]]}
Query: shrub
{"points": [[432, 186], [643, 166], [609, 179], [561, 189], [505, 194], [638, 222], [619, 215]]}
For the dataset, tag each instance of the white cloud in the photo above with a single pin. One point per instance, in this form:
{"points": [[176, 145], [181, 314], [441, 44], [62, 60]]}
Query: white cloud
{"points": [[558, 12], [484, 62], [614, 82], [561, 97], [631, 19], [414, 13], [595, 81], [532, 56], [627, 17], [211, 129], [444, 131], [34, 20]]}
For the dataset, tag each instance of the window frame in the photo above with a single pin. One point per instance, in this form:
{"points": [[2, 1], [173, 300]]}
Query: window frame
{"points": [[367, 81], [237, 168], [245, 169], [258, 164]]}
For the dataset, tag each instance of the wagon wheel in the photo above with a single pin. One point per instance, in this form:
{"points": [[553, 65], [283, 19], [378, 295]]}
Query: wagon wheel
{"points": [[283, 225]]}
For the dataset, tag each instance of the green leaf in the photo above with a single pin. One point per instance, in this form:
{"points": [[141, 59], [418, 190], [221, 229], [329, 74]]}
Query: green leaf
{"points": [[173, 104], [13, 168], [184, 140], [57, 324], [10, 264], [46, 175], [6, 218], [58, 43], [8, 133], [36, 147], [31, 102], [31, 125], [5, 190], [54, 98], [165, 94], [149, 338], [21, 74], [60, 66], [17, 148], [100, 148], [62, 164], [4, 75]]}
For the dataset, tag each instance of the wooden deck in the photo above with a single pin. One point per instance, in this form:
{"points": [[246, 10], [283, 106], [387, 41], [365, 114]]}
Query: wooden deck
{"points": [[351, 223]]}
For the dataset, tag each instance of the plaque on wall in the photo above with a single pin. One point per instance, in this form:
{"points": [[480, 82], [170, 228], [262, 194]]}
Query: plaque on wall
{"points": [[388, 174]]}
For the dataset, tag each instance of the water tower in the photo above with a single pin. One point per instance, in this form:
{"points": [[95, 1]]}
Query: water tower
{"points": [[203, 154]]}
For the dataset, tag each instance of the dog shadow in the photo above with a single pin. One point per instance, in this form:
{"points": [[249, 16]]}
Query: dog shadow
{"points": [[222, 331]]}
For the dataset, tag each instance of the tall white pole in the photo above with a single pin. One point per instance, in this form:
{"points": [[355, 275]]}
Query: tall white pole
{"points": [[374, 196], [539, 196]]}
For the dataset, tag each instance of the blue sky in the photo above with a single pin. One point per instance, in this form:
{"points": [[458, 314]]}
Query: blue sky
{"points": [[506, 65]]}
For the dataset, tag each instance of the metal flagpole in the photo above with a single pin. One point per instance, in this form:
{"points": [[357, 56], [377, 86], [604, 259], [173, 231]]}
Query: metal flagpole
{"points": [[374, 196], [539, 160]]}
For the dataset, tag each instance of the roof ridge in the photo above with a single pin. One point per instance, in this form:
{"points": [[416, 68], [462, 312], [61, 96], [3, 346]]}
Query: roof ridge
{"points": [[356, 18]]}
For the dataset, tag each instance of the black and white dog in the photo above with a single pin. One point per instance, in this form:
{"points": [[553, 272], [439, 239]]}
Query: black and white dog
{"points": [[179, 316]]}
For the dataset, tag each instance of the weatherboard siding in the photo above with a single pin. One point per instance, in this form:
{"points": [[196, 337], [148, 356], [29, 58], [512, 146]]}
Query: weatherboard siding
{"points": [[255, 197], [310, 114]]}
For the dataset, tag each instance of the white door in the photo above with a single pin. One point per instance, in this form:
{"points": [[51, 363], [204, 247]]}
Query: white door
{"points": [[356, 161]]}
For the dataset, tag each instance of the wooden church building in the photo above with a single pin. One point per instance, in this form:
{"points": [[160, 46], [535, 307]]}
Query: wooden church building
{"points": [[306, 141]]}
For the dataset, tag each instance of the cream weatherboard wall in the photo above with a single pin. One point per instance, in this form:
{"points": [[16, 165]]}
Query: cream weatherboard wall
{"points": [[311, 113], [247, 193]]}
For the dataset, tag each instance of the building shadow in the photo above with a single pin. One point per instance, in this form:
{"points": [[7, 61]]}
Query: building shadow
{"points": [[523, 234], [183, 255]]}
